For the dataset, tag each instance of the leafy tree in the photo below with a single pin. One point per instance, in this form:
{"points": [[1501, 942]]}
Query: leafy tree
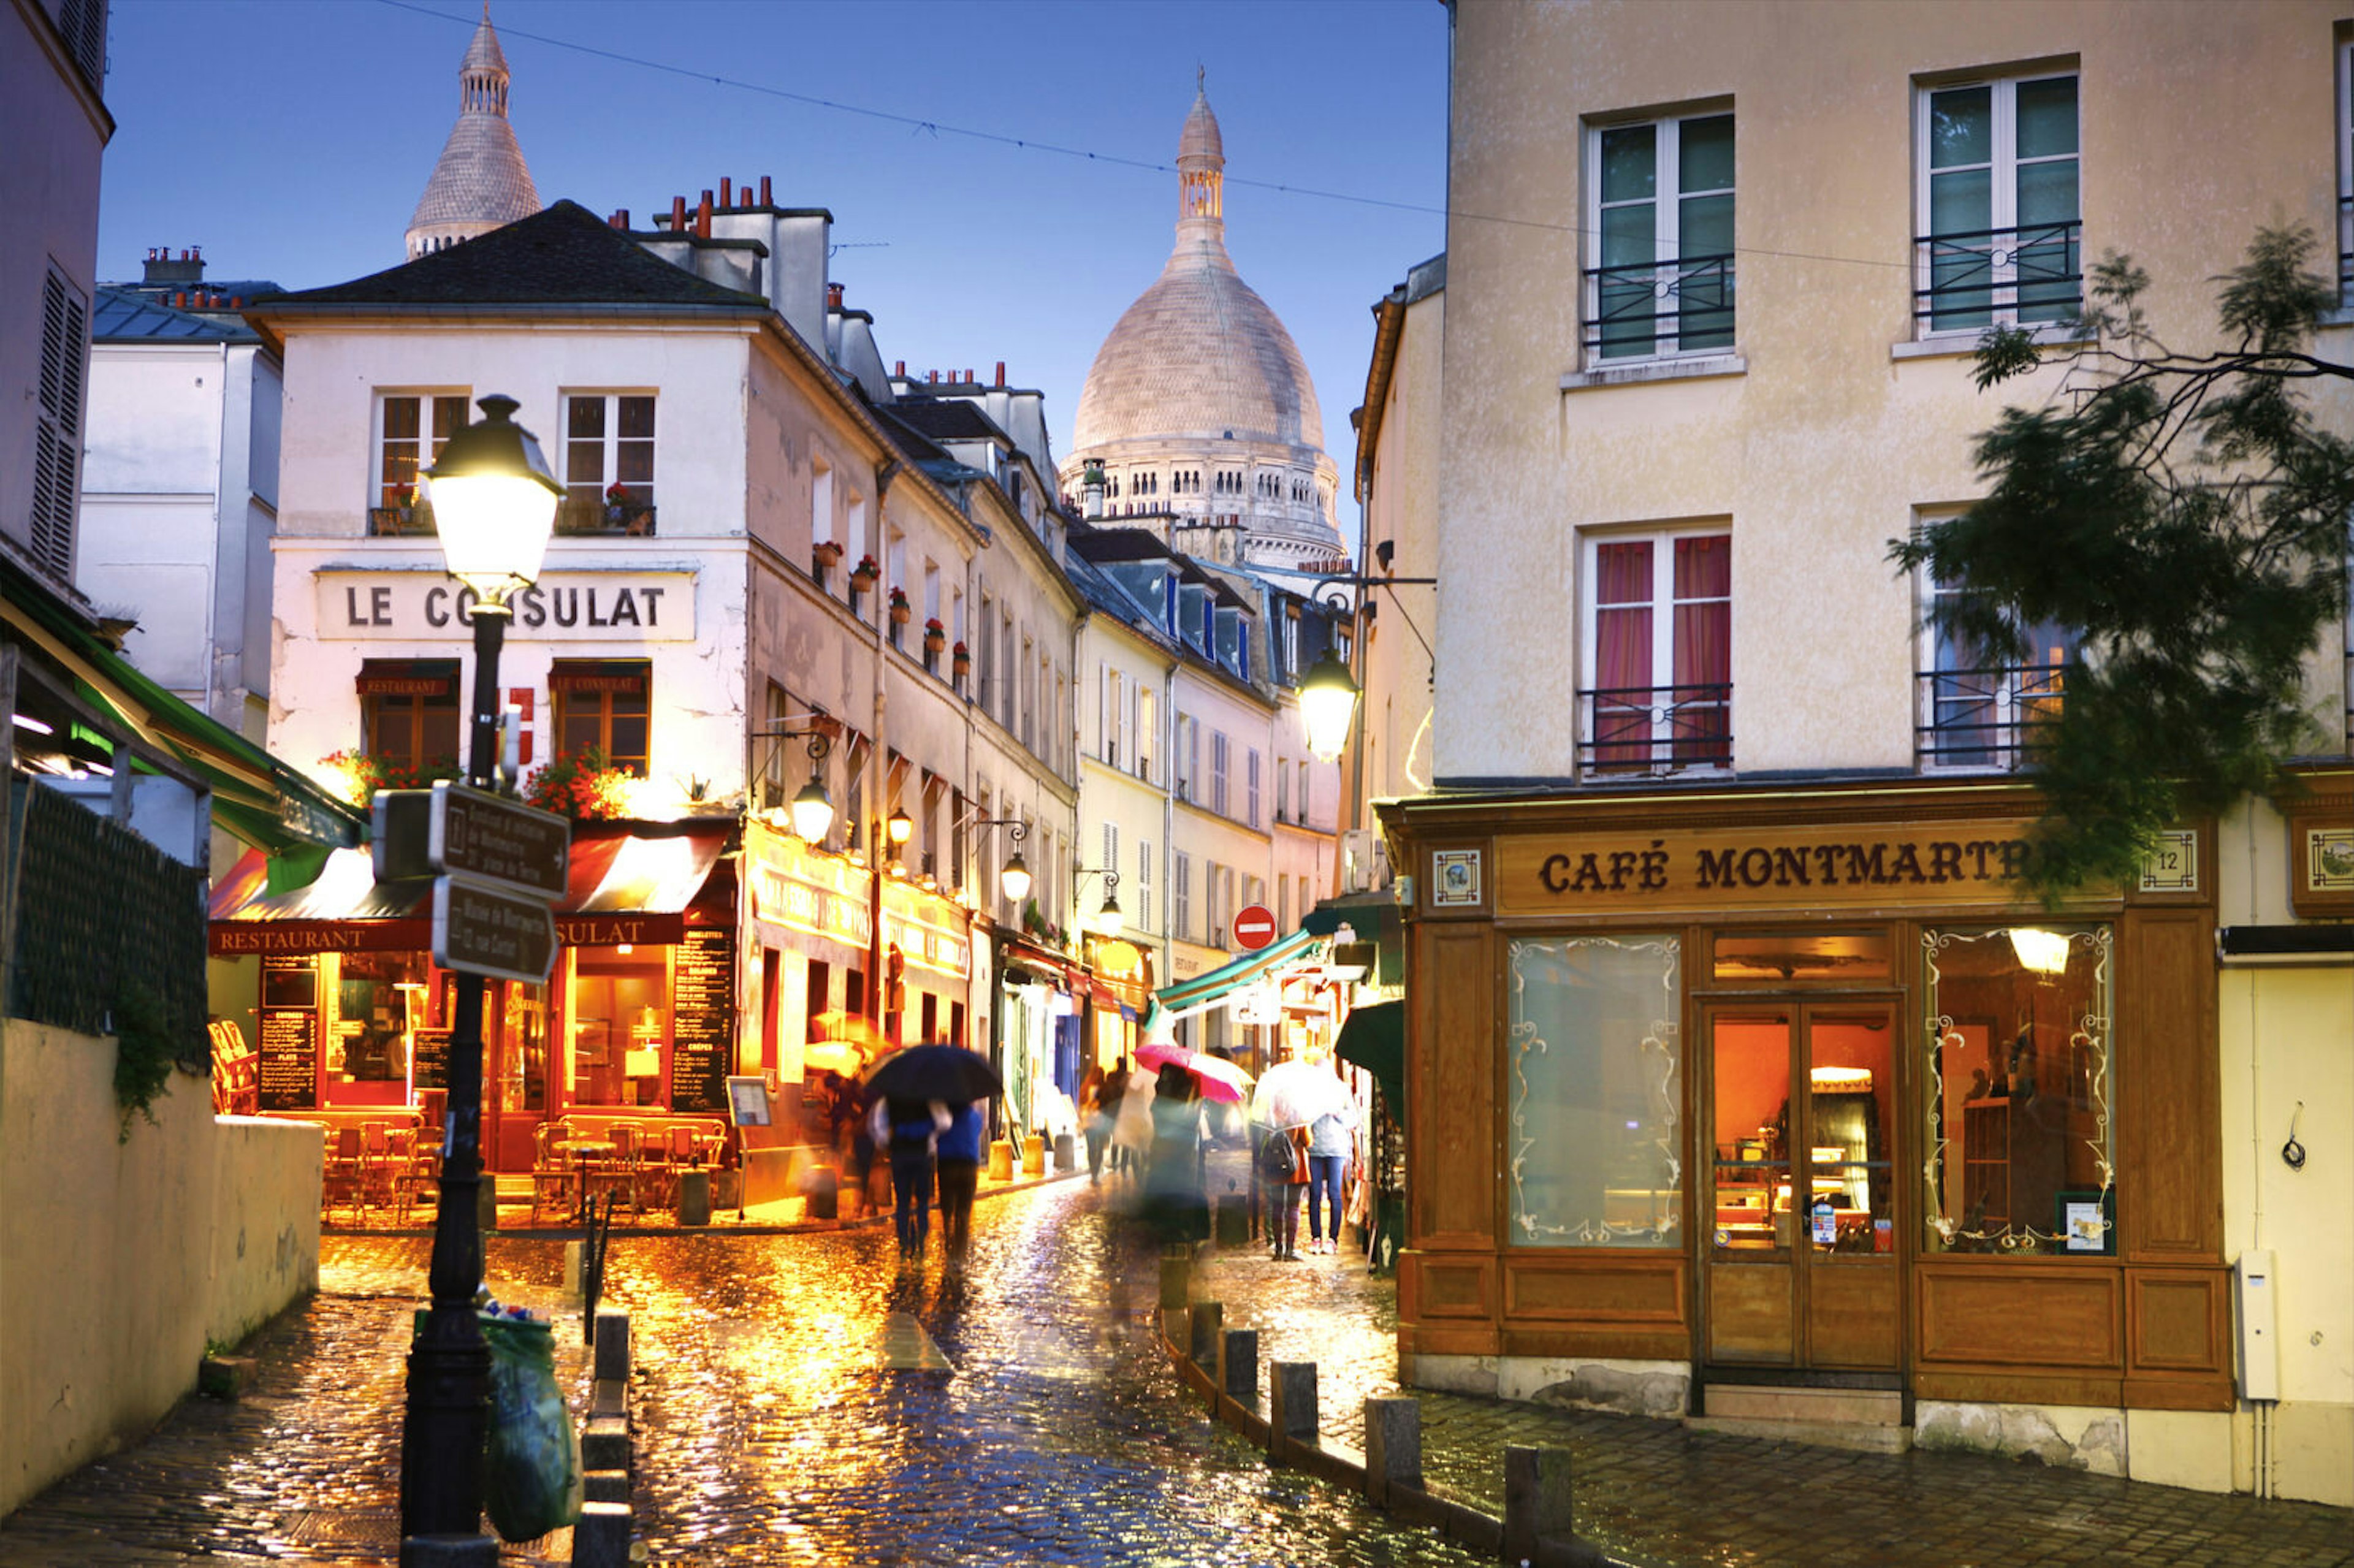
{"points": [[2185, 515]]}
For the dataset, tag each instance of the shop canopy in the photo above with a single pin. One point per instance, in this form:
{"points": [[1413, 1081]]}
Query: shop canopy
{"points": [[1375, 918], [1205, 991], [1374, 1039], [632, 885], [255, 796]]}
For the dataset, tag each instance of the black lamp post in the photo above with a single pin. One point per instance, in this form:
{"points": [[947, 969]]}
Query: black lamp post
{"points": [[494, 506]]}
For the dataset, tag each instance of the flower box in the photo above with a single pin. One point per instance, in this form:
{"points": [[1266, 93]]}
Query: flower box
{"points": [[826, 553]]}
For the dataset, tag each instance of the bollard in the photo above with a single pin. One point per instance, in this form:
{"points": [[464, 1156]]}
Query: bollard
{"points": [[612, 1343], [575, 1270], [695, 1197], [1241, 1365], [1291, 1403], [602, 1536], [1176, 1277], [1034, 1156], [605, 1486], [1393, 1445], [1209, 1322], [1536, 1499], [1000, 1161], [605, 1446]]}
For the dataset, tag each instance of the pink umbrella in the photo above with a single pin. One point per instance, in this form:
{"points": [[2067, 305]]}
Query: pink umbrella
{"points": [[1220, 1079]]}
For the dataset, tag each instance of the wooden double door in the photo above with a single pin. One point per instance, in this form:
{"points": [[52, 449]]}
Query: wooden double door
{"points": [[1808, 1214]]}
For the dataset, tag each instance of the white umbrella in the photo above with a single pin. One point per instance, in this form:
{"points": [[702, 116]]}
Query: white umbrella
{"points": [[1294, 1094]]}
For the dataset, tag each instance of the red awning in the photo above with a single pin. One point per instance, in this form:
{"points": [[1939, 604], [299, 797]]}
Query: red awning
{"points": [[623, 887]]}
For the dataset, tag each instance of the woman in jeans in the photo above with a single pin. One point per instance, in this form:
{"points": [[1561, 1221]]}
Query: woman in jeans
{"points": [[910, 1129], [1328, 1147]]}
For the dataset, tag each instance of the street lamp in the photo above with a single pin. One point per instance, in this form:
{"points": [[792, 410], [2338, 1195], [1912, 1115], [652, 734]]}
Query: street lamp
{"points": [[1013, 881], [1327, 699], [1108, 920], [901, 827], [812, 813], [494, 506]]}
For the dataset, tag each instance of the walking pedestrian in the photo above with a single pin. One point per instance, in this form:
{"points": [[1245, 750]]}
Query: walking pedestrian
{"points": [[1173, 1195], [1131, 1131], [859, 1155], [1095, 1121], [910, 1130], [958, 1152], [1329, 1147], [1283, 1165]]}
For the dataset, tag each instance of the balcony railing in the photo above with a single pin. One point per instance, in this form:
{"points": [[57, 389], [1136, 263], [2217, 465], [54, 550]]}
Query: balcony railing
{"points": [[1996, 717], [1651, 308], [2008, 275], [1655, 729], [400, 522], [590, 514]]}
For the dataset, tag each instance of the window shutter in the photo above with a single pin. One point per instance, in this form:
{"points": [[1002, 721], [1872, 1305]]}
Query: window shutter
{"points": [[1110, 861], [56, 438]]}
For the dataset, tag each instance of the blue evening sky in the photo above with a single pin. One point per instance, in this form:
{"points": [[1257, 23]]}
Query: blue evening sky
{"points": [[291, 138]]}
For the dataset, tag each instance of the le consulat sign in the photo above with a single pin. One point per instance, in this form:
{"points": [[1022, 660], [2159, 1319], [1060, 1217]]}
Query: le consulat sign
{"points": [[562, 607], [1852, 866]]}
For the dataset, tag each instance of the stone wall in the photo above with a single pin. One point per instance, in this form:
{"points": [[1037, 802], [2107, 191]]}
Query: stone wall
{"points": [[121, 1258]]}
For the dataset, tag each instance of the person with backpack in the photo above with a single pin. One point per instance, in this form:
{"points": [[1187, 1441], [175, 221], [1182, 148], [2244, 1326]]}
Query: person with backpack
{"points": [[910, 1130], [1283, 1167]]}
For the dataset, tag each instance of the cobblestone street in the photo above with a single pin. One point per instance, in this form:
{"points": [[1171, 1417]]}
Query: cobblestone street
{"points": [[785, 1417]]}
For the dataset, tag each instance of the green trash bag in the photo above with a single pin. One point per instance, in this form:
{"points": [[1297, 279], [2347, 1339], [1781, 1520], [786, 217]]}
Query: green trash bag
{"points": [[531, 1474]]}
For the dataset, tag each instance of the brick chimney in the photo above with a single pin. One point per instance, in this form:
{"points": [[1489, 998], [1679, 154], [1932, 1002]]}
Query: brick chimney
{"points": [[162, 269]]}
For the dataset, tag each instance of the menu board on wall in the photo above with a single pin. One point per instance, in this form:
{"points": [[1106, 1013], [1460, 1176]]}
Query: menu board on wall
{"points": [[429, 1068], [288, 1078], [703, 1018]]}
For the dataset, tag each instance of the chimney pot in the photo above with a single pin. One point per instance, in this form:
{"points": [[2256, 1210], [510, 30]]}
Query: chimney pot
{"points": [[727, 192], [834, 296], [934, 376], [1001, 373], [180, 299], [678, 215], [703, 217], [899, 369], [764, 192], [237, 301]]}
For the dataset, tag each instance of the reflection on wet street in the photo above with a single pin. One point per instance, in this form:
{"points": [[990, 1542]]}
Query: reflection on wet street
{"points": [[809, 1399]]}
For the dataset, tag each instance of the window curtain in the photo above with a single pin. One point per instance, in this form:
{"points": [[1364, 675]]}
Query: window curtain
{"points": [[1622, 654], [1704, 647]]}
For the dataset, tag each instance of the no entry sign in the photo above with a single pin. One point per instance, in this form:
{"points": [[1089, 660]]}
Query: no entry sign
{"points": [[1254, 927]]}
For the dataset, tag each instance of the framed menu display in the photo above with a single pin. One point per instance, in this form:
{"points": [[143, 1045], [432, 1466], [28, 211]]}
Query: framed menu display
{"points": [[289, 1074], [702, 1019]]}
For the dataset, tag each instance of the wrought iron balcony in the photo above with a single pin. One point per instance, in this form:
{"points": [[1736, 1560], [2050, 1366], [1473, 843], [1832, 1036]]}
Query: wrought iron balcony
{"points": [[579, 514], [400, 522], [1655, 729], [1996, 717], [1999, 275], [1651, 308]]}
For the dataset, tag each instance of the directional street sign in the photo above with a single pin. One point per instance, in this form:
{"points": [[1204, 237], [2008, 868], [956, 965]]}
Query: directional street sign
{"points": [[480, 929], [494, 839]]}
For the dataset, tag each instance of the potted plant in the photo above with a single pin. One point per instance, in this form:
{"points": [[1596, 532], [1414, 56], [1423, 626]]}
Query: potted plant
{"points": [[863, 575], [936, 636], [583, 784], [960, 661], [827, 554], [902, 612]]}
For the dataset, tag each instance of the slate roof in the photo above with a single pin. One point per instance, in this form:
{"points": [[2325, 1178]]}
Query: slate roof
{"points": [[125, 315], [949, 419], [565, 254]]}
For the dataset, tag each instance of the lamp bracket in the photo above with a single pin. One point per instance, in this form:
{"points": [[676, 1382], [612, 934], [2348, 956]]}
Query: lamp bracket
{"points": [[1341, 592]]}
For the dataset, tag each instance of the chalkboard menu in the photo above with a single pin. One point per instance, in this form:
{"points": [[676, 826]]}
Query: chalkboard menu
{"points": [[430, 1065], [289, 1079], [702, 1019]]}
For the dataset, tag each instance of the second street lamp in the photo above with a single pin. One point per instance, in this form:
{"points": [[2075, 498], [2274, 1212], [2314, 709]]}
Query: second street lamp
{"points": [[494, 506], [1328, 701]]}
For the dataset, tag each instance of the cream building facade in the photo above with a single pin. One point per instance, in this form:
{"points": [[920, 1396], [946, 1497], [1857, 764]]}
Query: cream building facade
{"points": [[1734, 818]]}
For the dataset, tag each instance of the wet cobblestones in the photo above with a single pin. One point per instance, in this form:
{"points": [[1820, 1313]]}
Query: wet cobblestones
{"points": [[773, 1429]]}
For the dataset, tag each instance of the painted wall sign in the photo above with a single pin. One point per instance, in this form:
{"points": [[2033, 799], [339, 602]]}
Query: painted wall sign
{"points": [[563, 606], [1775, 867]]}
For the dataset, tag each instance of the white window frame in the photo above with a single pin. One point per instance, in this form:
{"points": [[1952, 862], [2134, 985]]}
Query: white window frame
{"points": [[1667, 235], [609, 459], [1663, 604], [2013, 694], [822, 505], [430, 441], [2002, 178]]}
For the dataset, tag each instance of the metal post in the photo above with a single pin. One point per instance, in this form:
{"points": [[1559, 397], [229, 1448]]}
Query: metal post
{"points": [[442, 1431]]}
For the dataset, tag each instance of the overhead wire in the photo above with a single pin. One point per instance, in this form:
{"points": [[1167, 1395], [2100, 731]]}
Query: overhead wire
{"points": [[1031, 144]]}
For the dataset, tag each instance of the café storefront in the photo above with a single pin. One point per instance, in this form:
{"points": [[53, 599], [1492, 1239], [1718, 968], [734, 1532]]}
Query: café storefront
{"points": [[1779, 1103], [638, 1021]]}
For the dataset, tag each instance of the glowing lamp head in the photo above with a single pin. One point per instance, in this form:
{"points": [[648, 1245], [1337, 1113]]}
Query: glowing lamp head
{"points": [[494, 502], [1108, 920], [2040, 952], [1328, 701], [1014, 880], [812, 813], [901, 827]]}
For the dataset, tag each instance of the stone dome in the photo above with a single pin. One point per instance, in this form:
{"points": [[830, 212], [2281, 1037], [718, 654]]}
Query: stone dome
{"points": [[480, 182], [1199, 354]]}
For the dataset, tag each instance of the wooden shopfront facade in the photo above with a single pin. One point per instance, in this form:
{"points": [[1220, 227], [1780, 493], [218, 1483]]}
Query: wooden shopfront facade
{"points": [[1780, 1101]]}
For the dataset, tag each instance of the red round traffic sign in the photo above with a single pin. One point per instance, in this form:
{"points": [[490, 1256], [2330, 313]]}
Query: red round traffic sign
{"points": [[1254, 927]]}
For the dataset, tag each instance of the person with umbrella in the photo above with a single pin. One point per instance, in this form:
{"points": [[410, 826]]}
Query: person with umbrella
{"points": [[960, 1173], [1291, 1098], [1172, 1186], [914, 1089]]}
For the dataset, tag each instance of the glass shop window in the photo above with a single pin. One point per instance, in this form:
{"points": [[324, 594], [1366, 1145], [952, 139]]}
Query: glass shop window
{"points": [[1838, 958], [620, 1025], [604, 706], [2019, 1090], [379, 1006], [523, 1056], [1596, 1054]]}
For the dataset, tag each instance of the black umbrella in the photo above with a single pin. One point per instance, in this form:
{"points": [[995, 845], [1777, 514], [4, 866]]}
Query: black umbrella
{"points": [[934, 1072]]}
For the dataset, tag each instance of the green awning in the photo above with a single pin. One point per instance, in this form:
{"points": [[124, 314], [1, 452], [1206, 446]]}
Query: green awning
{"points": [[1203, 990], [1374, 1038], [256, 796], [1375, 917]]}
